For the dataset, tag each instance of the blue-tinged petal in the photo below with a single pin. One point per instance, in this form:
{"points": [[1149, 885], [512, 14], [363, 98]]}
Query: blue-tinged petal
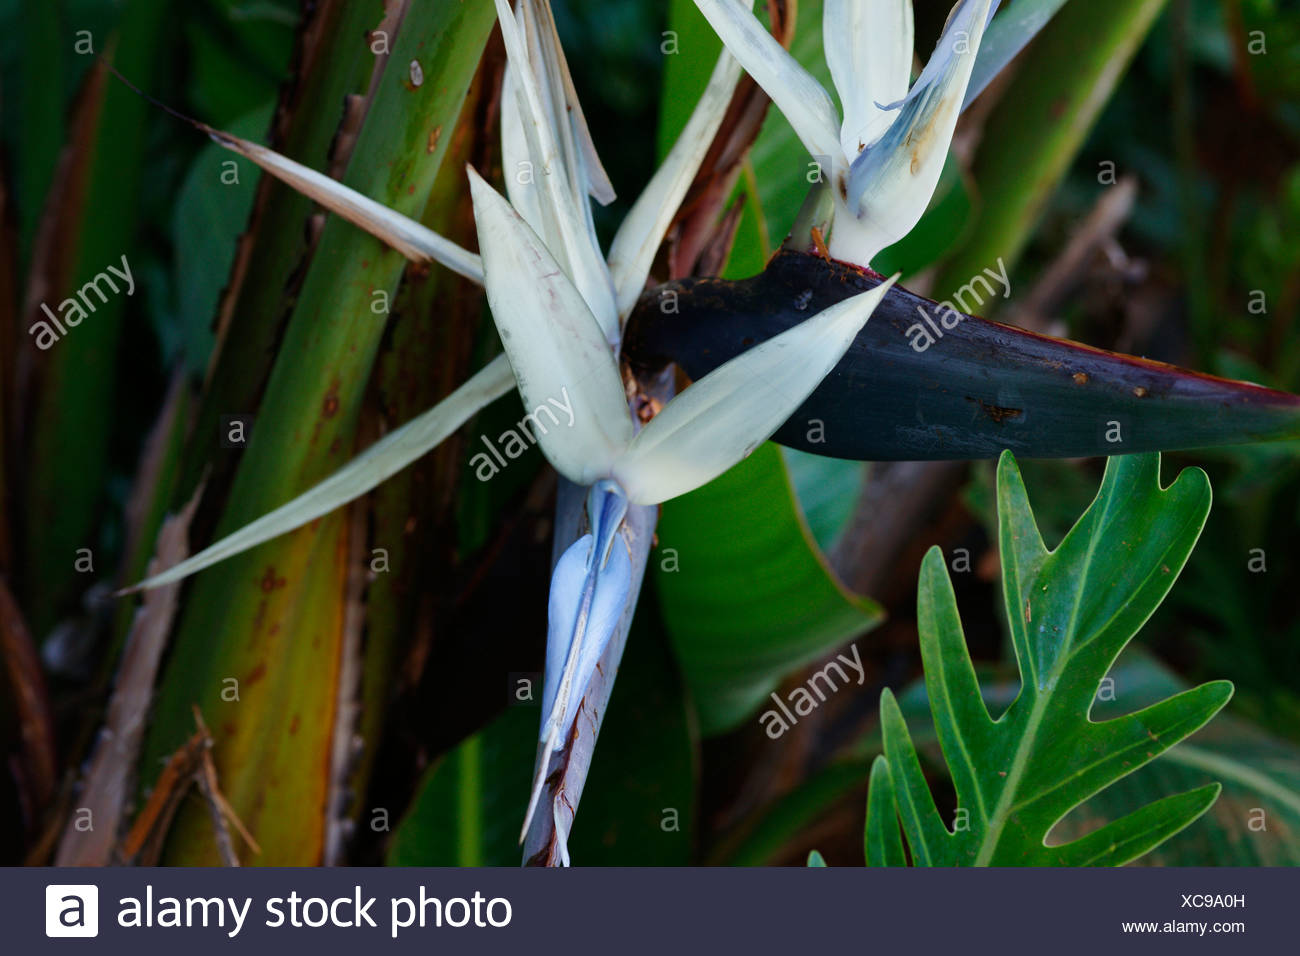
{"points": [[891, 181], [1005, 38], [589, 590]]}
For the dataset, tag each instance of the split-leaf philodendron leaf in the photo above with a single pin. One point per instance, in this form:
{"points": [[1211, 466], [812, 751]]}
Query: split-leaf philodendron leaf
{"points": [[1071, 612]]}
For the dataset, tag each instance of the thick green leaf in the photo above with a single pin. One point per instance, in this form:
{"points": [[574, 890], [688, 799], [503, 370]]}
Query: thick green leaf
{"points": [[267, 617], [882, 842], [639, 805], [745, 592], [1071, 612], [468, 807], [1256, 820]]}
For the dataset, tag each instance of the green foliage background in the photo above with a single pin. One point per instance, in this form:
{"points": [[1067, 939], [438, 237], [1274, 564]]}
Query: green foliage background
{"points": [[744, 597]]}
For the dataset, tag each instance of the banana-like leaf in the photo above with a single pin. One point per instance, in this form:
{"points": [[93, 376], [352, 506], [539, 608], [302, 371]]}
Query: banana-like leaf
{"points": [[467, 808], [1071, 612], [89, 224], [257, 624], [923, 381], [746, 593]]}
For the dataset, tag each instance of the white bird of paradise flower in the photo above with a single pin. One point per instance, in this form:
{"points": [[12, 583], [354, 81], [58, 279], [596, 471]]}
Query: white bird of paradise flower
{"points": [[886, 153], [559, 306]]}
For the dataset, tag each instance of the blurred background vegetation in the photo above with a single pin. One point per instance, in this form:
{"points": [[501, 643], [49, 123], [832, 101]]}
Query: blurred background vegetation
{"points": [[1163, 220]]}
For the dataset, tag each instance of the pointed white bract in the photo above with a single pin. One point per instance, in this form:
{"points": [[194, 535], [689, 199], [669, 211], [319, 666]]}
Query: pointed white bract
{"points": [[642, 232], [556, 347], [555, 344], [889, 151], [413, 240], [561, 163], [555, 207], [367, 471], [794, 90], [728, 413]]}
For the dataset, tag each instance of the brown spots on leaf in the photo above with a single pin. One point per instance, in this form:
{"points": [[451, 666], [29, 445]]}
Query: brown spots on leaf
{"points": [[435, 134], [996, 413], [1080, 378], [330, 406], [294, 724], [255, 675], [270, 581]]}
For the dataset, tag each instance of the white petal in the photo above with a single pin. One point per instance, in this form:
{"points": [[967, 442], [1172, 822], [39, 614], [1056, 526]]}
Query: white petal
{"points": [[516, 160], [405, 235], [728, 413], [793, 89], [556, 347], [565, 214], [869, 50], [371, 468], [545, 39], [892, 181], [641, 233]]}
